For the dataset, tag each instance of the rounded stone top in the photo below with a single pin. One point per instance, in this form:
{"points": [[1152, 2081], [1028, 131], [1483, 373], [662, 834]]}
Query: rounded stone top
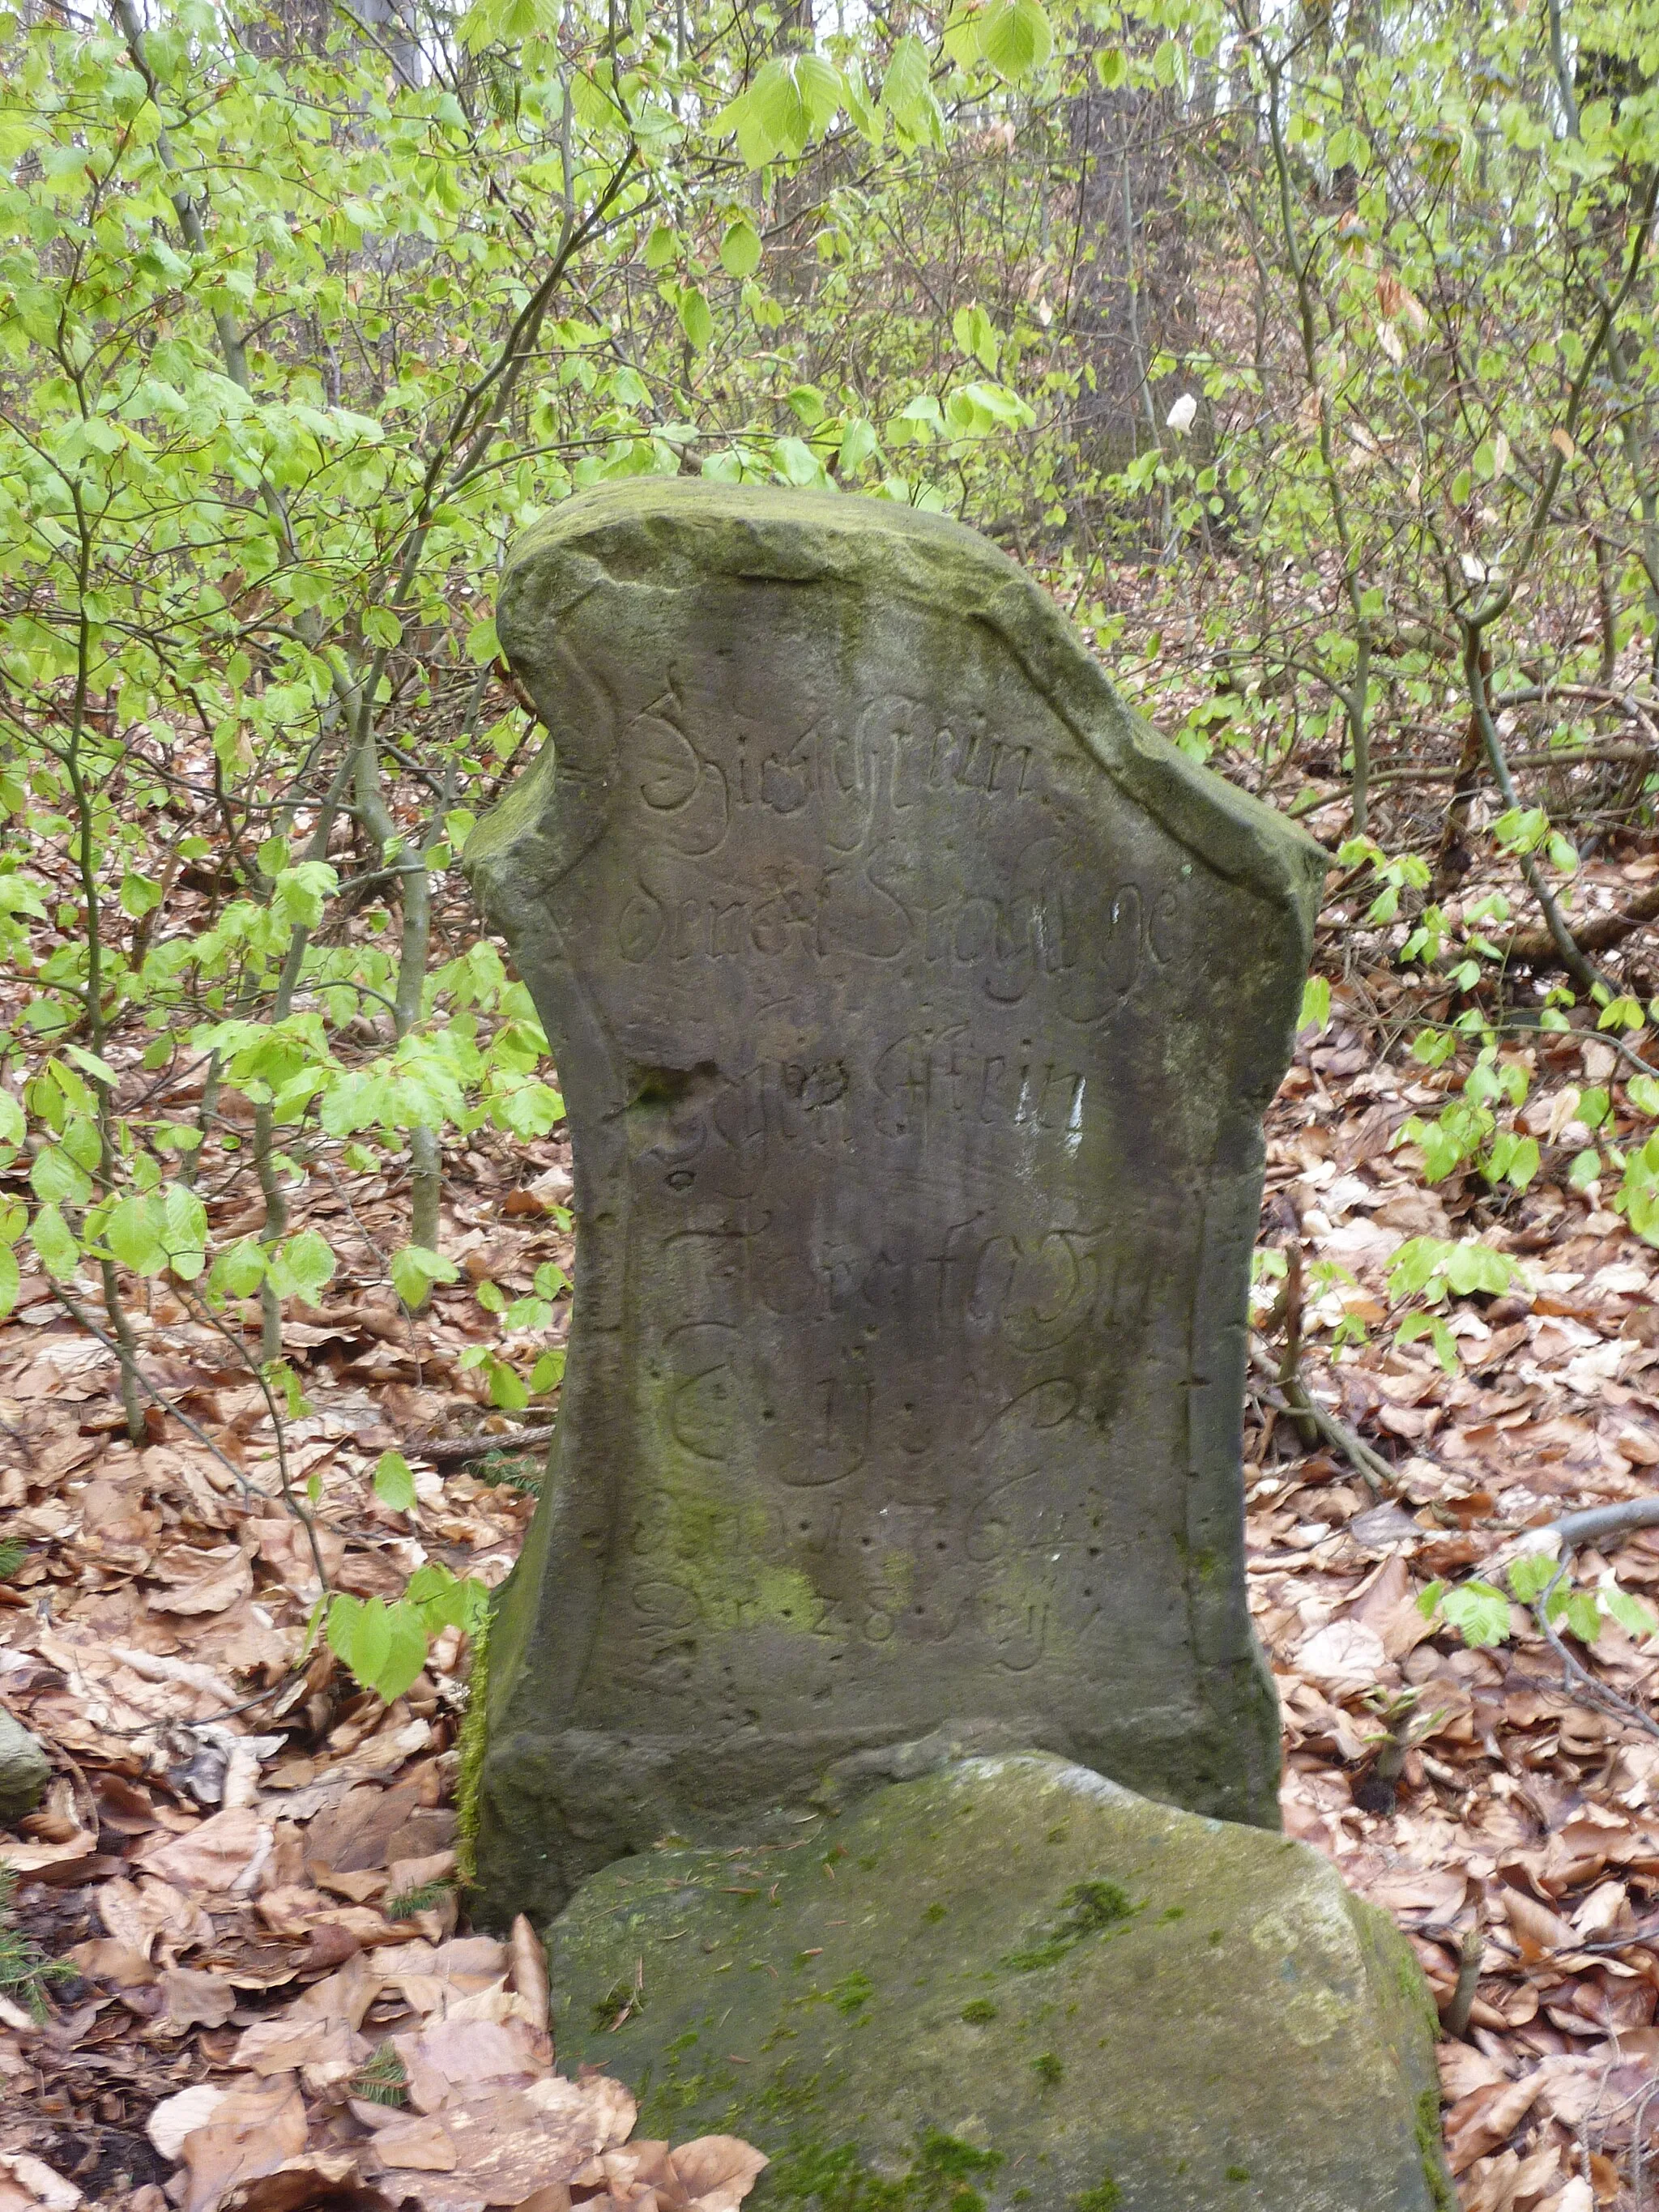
{"points": [[650, 535]]}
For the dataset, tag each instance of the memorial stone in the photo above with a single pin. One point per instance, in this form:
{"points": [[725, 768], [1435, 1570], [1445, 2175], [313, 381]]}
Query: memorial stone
{"points": [[914, 1006]]}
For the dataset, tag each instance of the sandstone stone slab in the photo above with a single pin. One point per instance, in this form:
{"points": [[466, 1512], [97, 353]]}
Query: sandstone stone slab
{"points": [[25, 1770], [914, 1006], [1013, 1979]]}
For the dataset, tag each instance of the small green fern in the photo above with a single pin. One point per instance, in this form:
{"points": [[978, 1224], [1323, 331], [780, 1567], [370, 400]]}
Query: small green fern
{"points": [[13, 1552]]}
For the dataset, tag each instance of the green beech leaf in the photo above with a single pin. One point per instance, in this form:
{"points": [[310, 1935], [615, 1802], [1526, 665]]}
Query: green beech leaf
{"points": [[414, 1270], [394, 1482], [130, 1235], [1531, 1574], [1479, 1611], [549, 1371], [1316, 1005], [907, 92], [695, 318], [1014, 37], [59, 1253], [507, 1389], [1632, 1615], [384, 1645], [741, 249], [304, 1267], [55, 1178]]}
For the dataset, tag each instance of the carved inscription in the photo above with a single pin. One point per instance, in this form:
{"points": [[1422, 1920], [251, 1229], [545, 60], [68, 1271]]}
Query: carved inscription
{"points": [[845, 792], [891, 1311]]}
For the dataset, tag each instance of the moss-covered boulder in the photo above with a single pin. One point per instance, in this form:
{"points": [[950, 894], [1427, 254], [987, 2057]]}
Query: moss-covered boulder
{"points": [[1009, 1982]]}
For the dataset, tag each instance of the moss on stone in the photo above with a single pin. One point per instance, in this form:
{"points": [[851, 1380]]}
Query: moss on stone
{"points": [[851, 2036], [1088, 1908], [474, 1743]]}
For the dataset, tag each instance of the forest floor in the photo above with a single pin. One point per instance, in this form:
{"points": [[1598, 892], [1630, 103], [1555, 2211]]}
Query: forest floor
{"points": [[247, 1863]]}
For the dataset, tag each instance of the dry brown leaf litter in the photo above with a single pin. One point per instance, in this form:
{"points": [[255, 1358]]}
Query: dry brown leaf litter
{"points": [[218, 1870]]}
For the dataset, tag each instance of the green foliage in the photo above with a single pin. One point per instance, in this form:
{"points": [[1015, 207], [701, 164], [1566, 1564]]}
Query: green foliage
{"points": [[384, 1644], [25, 1970], [1104, 2197], [281, 391], [427, 1897], [1430, 1268], [382, 2079], [394, 1482], [1480, 1612]]}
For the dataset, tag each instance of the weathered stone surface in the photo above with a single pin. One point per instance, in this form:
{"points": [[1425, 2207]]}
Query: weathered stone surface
{"points": [[1024, 1981], [915, 1005], [25, 1770]]}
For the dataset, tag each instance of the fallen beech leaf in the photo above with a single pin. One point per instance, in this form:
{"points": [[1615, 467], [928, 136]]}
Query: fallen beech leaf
{"points": [[195, 1999], [718, 2172], [30, 1858], [1607, 1907], [212, 1584], [1343, 1655], [346, 1996], [418, 2139], [528, 1967], [1537, 1929], [635, 2166], [123, 1808], [315, 2179], [107, 1958], [554, 2197], [175, 2117], [405, 1875], [456, 2054], [44, 2186], [1463, 2069], [292, 1909], [1482, 2121], [252, 2131], [283, 2046], [145, 1913], [359, 1887], [222, 1855], [329, 1945], [512, 2142]]}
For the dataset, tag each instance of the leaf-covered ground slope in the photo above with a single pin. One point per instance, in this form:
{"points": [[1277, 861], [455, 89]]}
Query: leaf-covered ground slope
{"points": [[245, 1858]]}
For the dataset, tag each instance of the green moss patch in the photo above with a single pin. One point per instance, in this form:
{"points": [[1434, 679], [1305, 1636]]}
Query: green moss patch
{"points": [[1067, 2037]]}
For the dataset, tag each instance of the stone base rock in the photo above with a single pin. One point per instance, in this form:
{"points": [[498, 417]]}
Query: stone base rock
{"points": [[1012, 1982], [25, 1770]]}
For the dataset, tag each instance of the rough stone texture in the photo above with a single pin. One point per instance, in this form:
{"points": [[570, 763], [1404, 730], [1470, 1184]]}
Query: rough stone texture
{"points": [[25, 1770], [1024, 1981], [915, 1005]]}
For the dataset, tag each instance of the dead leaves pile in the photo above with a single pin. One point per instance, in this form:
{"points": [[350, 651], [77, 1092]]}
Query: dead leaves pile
{"points": [[256, 1897], [457, 2110], [1500, 1809], [296, 1958], [233, 1819]]}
